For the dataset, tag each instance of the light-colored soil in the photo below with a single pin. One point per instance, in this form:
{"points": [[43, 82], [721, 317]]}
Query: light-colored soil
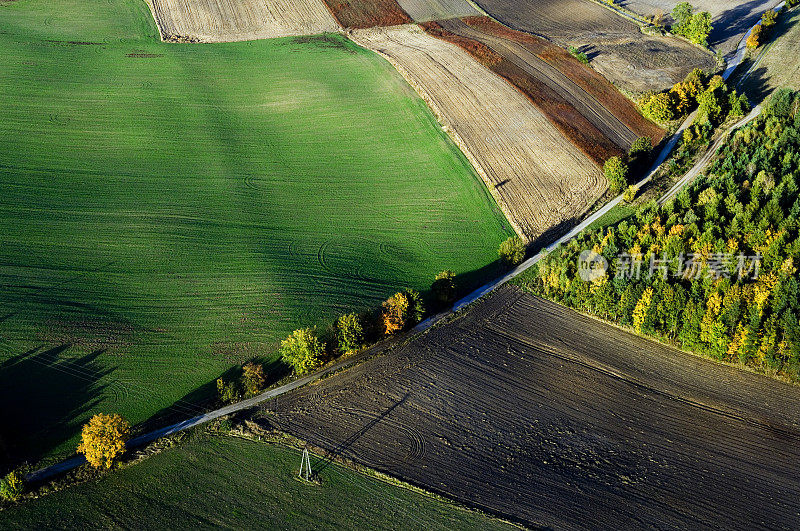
{"points": [[780, 66], [427, 10], [240, 20], [615, 46], [539, 178], [732, 18]]}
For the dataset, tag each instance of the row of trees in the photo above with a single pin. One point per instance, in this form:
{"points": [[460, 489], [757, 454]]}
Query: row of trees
{"points": [[715, 270], [763, 31], [698, 90]]}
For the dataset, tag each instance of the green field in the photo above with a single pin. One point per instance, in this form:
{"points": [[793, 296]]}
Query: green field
{"points": [[242, 484], [170, 210]]}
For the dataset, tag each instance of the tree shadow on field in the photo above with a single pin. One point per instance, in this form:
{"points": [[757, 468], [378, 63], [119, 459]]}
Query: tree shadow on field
{"points": [[204, 398], [342, 448], [737, 20], [756, 85], [42, 393]]}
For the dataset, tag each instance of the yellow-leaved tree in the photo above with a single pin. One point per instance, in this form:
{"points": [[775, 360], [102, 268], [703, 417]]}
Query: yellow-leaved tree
{"points": [[103, 439]]}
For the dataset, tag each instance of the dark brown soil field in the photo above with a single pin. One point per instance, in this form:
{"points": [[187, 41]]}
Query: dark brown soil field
{"points": [[529, 410], [615, 46], [367, 13]]}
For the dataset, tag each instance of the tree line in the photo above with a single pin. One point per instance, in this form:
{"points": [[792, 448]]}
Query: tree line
{"points": [[712, 271]]}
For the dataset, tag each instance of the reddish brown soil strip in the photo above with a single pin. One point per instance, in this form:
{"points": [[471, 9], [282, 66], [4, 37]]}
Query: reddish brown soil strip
{"points": [[529, 410], [367, 13], [585, 77], [580, 131]]}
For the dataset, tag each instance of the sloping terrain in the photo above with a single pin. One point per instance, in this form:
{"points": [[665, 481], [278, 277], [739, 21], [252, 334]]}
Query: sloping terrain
{"points": [[780, 66], [171, 210], [731, 18], [575, 86], [530, 410], [427, 10], [232, 483], [616, 47], [539, 179], [240, 20]]}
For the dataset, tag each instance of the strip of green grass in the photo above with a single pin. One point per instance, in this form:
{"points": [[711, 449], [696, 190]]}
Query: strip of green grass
{"points": [[170, 210], [238, 483]]}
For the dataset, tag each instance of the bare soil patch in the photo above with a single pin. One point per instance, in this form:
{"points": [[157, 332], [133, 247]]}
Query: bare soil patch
{"points": [[526, 409], [428, 10], [731, 18], [615, 46], [239, 20], [367, 13], [538, 177]]}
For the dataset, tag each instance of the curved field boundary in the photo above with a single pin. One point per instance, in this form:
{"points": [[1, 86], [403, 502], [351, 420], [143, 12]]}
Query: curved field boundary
{"points": [[428, 10], [539, 180], [538, 81], [584, 83], [240, 20]]}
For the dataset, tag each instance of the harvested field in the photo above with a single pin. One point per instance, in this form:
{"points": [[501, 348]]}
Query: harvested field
{"points": [[427, 10], [538, 177], [367, 13], [615, 46], [731, 18], [530, 410], [559, 93], [240, 20]]}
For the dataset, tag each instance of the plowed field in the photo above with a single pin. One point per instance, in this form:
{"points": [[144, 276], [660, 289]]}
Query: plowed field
{"points": [[530, 410], [367, 13], [539, 178], [578, 100], [427, 10], [615, 46], [239, 20], [731, 18]]}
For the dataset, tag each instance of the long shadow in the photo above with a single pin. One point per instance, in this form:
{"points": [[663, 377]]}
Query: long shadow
{"points": [[204, 398], [42, 393], [345, 445], [736, 21]]}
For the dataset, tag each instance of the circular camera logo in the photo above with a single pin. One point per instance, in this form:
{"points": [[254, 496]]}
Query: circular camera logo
{"points": [[592, 266]]}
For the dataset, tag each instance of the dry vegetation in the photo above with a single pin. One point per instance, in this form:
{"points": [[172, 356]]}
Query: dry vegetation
{"points": [[731, 18], [539, 178], [367, 13], [615, 46], [427, 10], [532, 411], [239, 20]]}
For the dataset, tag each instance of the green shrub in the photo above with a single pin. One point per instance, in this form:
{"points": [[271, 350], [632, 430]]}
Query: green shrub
{"points": [[616, 172], [512, 251], [444, 287], [12, 486], [350, 332], [579, 55], [303, 351], [630, 194], [227, 392]]}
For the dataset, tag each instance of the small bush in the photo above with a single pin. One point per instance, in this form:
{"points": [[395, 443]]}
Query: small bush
{"points": [[616, 172], [579, 55], [253, 378], [512, 251], [12, 486], [349, 332], [754, 39], [401, 310], [227, 391], [444, 287], [303, 351], [630, 194]]}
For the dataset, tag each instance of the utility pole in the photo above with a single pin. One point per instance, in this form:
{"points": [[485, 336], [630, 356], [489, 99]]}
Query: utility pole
{"points": [[305, 466]]}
